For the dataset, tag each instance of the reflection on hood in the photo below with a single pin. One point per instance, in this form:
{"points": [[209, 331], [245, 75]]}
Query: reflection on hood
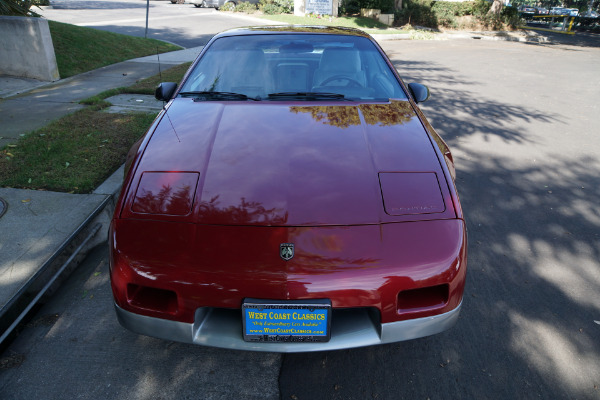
{"points": [[394, 113]]}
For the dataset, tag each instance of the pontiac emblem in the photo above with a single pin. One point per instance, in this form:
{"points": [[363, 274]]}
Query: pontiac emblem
{"points": [[286, 251]]}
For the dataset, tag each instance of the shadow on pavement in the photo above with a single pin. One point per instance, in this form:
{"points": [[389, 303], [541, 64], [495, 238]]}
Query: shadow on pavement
{"points": [[532, 283], [460, 113], [96, 5], [527, 250], [580, 39], [78, 338]]}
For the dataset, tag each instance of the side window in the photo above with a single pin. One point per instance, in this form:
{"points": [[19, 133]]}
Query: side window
{"points": [[208, 73]]}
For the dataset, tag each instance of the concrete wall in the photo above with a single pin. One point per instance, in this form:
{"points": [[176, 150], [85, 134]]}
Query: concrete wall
{"points": [[387, 19], [26, 49]]}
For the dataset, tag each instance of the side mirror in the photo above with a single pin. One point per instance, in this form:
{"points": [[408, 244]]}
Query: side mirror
{"points": [[419, 92], [164, 91]]}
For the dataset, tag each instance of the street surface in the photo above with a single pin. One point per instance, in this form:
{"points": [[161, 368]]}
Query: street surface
{"points": [[182, 24], [523, 121]]}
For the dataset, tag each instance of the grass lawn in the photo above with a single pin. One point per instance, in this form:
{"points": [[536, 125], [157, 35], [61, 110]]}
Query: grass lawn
{"points": [[78, 152], [367, 24], [79, 49], [74, 154]]}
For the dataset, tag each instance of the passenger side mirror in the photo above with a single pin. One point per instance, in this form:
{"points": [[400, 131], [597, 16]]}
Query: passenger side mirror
{"points": [[419, 92], [164, 91]]}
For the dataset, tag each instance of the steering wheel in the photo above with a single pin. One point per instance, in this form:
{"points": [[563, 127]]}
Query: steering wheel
{"points": [[350, 82]]}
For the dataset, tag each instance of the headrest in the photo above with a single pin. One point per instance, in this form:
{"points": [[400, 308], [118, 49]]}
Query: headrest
{"points": [[340, 59], [250, 58]]}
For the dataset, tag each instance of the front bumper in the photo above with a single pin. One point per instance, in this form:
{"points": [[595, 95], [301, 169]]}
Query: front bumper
{"points": [[349, 328]]}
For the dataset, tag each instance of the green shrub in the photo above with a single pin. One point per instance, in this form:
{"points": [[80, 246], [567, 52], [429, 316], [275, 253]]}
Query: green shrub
{"points": [[287, 6], [353, 6], [17, 8], [417, 12], [447, 12], [508, 18], [263, 3], [349, 7], [511, 17], [276, 6], [271, 9], [386, 6], [229, 6], [436, 14], [452, 9], [510, 12], [481, 8], [245, 6]]}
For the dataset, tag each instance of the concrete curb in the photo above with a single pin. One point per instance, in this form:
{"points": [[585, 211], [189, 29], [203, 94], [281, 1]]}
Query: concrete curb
{"points": [[497, 37], [65, 259], [13, 86], [394, 36]]}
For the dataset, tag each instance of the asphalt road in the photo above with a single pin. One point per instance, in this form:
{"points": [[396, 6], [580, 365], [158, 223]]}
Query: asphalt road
{"points": [[182, 24], [523, 122]]}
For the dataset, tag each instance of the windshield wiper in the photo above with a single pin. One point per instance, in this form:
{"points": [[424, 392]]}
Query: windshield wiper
{"points": [[307, 96], [210, 95]]}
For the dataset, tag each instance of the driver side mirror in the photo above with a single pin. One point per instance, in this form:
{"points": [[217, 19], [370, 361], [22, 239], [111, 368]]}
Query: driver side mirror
{"points": [[164, 91], [419, 92]]}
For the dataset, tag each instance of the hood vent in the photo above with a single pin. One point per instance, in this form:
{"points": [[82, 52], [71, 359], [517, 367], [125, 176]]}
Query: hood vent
{"points": [[408, 193]]}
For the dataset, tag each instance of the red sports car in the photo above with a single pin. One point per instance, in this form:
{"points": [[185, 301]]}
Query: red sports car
{"points": [[290, 197]]}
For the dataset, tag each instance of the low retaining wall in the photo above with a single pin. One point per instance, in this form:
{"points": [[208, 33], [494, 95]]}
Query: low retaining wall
{"points": [[375, 13], [26, 49]]}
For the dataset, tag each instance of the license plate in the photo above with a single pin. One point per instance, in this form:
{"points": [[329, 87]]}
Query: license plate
{"points": [[286, 321]]}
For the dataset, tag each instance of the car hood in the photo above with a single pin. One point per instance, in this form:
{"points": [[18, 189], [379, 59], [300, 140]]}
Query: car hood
{"points": [[276, 164]]}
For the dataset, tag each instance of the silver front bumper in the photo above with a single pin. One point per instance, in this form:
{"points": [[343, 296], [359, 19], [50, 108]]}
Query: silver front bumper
{"points": [[223, 328]]}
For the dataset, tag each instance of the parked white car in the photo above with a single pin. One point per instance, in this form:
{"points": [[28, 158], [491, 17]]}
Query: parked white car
{"points": [[573, 12], [217, 3], [198, 3], [559, 11]]}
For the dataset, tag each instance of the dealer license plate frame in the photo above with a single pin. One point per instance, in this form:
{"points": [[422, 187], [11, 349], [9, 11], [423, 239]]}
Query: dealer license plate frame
{"points": [[290, 312]]}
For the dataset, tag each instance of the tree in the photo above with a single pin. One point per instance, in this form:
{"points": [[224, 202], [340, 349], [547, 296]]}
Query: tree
{"points": [[398, 5], [496, 7], [17, 8]]}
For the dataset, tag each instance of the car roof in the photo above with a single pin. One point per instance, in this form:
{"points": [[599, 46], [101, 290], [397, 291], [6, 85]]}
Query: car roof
{"points": [[292, 29]]}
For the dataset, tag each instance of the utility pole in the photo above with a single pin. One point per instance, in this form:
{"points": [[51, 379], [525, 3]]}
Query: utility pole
{"points": [[147, 12]]}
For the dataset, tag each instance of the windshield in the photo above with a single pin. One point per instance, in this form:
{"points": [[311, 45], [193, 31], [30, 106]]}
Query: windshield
{"points": [[292, 66]]}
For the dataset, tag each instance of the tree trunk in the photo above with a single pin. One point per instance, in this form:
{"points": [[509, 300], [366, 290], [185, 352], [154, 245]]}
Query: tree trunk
{"points": [[398, 5], [496, 8]]}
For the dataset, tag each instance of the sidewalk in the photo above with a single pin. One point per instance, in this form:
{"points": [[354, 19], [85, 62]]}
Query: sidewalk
{"points": [[43, 232]]}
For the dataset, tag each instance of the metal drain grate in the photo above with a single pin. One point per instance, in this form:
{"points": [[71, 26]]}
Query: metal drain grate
{"points": [[3, 207]]}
